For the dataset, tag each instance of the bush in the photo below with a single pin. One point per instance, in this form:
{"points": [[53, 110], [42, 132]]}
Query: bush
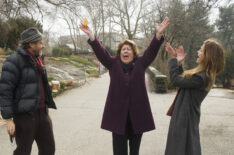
{"points": [[50, 79], [65, 60], [62, 85], [82, 52], [111, 51], [82, 61], [91, 71], [17, 26], [9, 52], [59, 52], [227, 74], [161, 83]]}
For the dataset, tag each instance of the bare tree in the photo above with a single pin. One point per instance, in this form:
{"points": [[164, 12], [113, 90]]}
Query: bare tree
{"points": [[93, 10], [72, 20], [98, 13], [128, 14], [15, 8]]}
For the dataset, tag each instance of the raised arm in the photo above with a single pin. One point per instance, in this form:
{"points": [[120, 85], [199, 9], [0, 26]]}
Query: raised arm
{"points": [[175, 70], [196, 81], [152, 50], [172, 53], [102, 54]]}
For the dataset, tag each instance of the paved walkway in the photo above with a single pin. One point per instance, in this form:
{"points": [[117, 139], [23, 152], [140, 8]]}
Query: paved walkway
{"points": [[78, 118]]}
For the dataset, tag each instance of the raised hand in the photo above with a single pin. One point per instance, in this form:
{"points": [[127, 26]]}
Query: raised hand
{"points": [[160, 28], [87, 31], [180, 54], [170, 50]]}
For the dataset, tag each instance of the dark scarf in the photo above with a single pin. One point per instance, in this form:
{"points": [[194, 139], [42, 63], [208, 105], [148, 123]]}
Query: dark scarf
{"points": [[37, 61], [127, 68]]}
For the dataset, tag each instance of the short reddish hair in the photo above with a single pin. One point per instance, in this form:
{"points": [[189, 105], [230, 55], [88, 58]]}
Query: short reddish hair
{"points": [[128, 42]]}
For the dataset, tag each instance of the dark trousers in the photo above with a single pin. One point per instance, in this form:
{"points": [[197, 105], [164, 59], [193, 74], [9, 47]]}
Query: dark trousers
{"points": [[120, 142], [34, 126]]}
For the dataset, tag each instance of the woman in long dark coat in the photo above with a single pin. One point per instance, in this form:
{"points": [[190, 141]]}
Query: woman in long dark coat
{"points": [[194, 84], [127, 112]]}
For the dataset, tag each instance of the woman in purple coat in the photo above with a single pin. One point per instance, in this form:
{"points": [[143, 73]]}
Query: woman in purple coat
{"points": [[127, 112]]}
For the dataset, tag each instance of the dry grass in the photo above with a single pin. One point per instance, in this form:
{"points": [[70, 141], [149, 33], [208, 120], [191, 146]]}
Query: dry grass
{"points": [[2, 52]]}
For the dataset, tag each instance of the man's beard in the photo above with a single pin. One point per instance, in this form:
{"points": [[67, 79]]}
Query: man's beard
{"points": [[37, 53]]}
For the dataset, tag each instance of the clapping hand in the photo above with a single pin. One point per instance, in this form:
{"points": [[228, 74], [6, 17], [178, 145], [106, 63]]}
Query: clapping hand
{"points": [[180, 55], [176, 53], [170, 50]]}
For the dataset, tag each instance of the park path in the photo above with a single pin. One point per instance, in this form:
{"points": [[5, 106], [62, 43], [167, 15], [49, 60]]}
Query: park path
{"points": [[77, 123]]}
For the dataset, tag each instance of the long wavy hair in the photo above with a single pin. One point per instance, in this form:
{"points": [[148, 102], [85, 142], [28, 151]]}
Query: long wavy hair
{"points": [[133, 46], [212, 62]]}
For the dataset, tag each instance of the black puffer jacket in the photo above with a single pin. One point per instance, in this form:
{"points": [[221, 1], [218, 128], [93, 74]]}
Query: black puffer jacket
{"points": [[19, 85]]}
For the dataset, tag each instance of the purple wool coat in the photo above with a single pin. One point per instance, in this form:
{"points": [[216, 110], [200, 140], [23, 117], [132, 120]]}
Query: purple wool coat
{"points": [[127, 93]]}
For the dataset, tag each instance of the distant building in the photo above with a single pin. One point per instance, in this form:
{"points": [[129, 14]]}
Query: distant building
{"points": [[111, 40]]}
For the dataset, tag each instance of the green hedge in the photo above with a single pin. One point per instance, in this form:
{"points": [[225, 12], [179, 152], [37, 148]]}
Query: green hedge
{"points": [[81, 60], [67, 60], [161, 83], [91, 71], [59, 52], [9, 52]]}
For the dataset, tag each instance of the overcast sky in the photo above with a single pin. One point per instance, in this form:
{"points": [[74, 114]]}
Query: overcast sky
{"points": [[58, 26]]}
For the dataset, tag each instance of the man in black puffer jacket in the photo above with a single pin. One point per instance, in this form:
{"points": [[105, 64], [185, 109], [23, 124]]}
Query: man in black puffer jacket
{"points": [[25, 96]]}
